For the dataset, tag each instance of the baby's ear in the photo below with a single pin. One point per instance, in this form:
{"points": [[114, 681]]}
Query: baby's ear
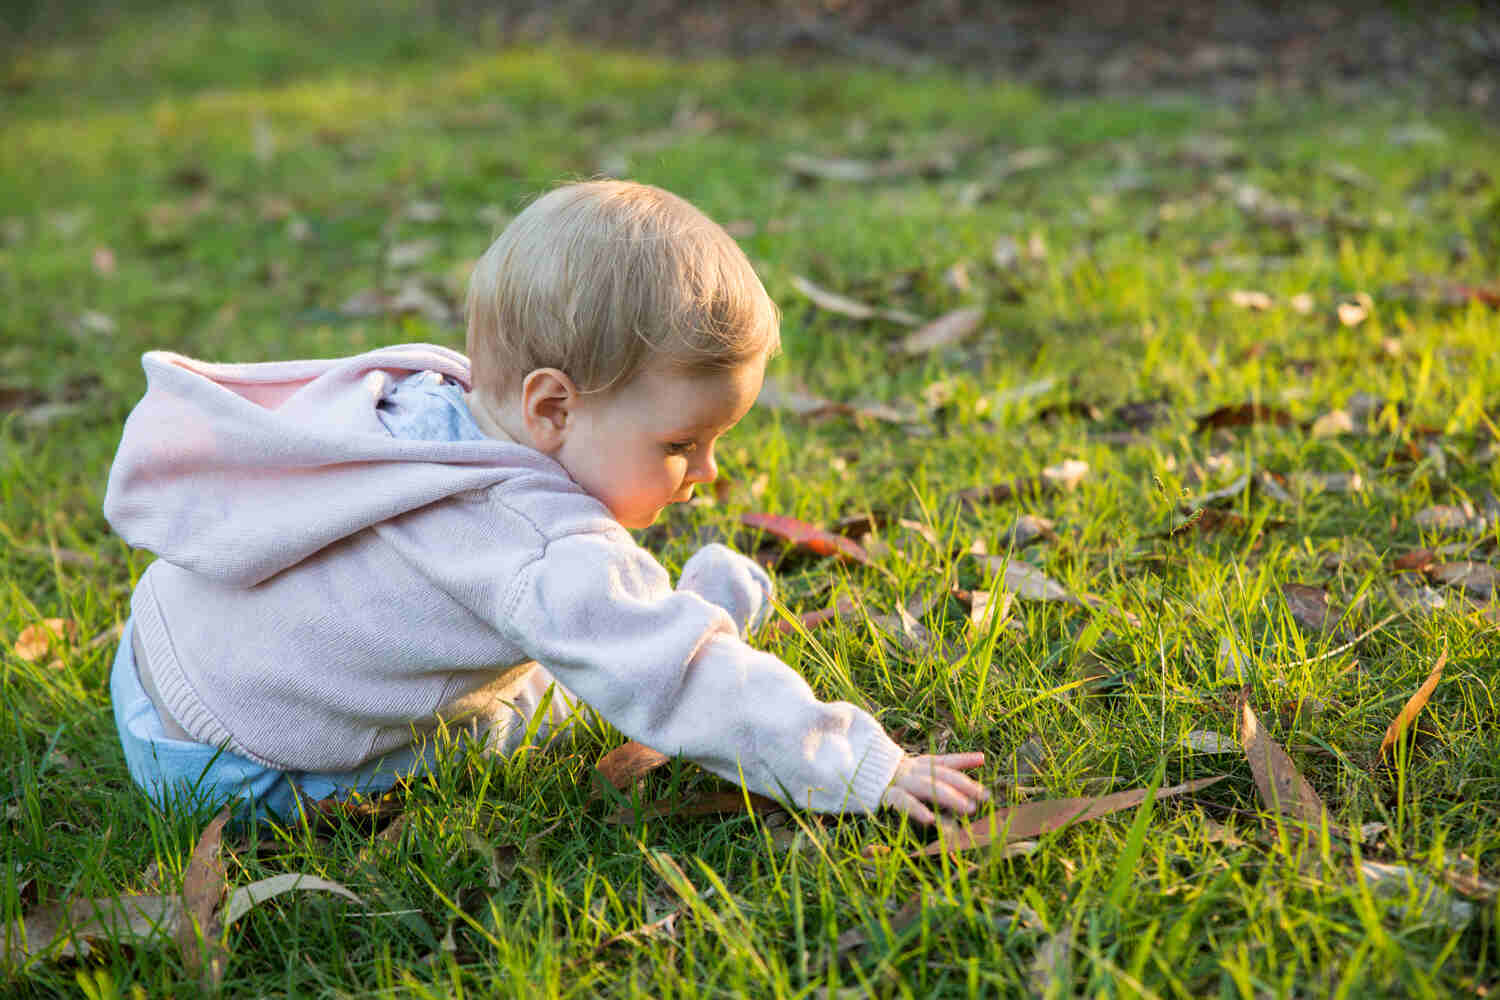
{"points": [[548, 399]]}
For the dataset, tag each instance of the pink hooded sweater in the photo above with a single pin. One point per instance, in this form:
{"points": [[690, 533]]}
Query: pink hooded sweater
{"points": [[323, 587]]}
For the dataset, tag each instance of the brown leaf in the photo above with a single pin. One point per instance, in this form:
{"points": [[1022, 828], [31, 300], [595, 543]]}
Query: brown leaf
{"points": [[1243, 415], [1476, 579], [1032, 819], [725, 802], [1309, 606], [628, 763], [944, 331], [1257, 301], [202, 886], [1283, 789], [844, 306], [1414, 704], [69, 927], [805, 537], [34, 641], [1417, 559]]}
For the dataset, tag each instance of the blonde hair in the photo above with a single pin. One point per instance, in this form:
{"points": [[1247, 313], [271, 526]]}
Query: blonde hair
{"points": [[602, 279]]}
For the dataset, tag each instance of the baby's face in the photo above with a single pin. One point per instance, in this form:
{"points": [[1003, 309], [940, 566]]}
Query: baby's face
{"points": [[645, 445]]}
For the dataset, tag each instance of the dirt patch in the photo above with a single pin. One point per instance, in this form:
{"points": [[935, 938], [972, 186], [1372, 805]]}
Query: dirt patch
{"points": [[1231, 49]]}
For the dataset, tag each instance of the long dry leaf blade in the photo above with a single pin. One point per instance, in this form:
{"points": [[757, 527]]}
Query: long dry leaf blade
{"points": [[248, 896], [1282, 787], [202, 887], [1414, 704], [947, 329], [1032, 819], [626, 764]]}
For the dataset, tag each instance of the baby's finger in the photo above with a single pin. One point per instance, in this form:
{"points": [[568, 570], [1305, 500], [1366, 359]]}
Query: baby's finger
{"points": [[966, 761], [951, 798], [962, 782], [903, 801]]}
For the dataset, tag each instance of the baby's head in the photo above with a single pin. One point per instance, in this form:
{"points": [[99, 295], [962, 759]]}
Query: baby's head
{"points": [[617, 328]]}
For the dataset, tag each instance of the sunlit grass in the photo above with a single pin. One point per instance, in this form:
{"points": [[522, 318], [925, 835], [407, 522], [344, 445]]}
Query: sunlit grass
{"points": [[249, 177]]}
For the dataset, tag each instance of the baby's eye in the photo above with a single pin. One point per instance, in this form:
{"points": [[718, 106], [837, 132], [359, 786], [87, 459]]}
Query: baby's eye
{"points": [[681, 447]]}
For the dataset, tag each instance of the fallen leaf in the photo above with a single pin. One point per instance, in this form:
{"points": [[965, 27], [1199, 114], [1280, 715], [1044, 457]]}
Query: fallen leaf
{"points": [[720, 803], [1283, 790], [1302, 303], [1309, 606], [1006, 253], [1462, 874], [1414, 704], [812, 619], [65, 929], [628, 763], [1416, 559], [1333, 424], [1476, 579], [1229, 492], [1392, 882], [1258, 301], [1049, 973], [1206, 741], [204, 882], [242, 899], [801, 535], [1066, 475], [1027, 529], [944, 331], [1448, 518], [1032, 819], [835, 303], [35, 640], [411, 298], [860, 171], [104, 262], [410, 254], [1244, 415], [1356, 311]]}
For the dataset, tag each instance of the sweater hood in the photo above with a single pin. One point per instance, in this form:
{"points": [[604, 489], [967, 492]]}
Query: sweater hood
{"points": [[238, 471]]}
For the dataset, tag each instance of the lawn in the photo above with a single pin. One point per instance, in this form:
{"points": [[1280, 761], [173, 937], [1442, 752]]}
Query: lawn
{"points": [[1241, 359]]}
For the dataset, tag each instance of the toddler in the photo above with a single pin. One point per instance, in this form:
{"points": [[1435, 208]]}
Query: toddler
{"points": [[355, 551]]}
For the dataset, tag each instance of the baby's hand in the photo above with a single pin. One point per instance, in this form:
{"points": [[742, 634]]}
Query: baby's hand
{"points": [[935, 778]]}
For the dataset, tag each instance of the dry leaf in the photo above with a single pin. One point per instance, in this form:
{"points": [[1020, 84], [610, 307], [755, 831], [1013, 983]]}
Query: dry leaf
{"points": [[1332, 424], [1206, 741], [721, 803], [812, 619], [404, 255], [65, 929], [628, 763], [1448, 518], [203, 884], [1283, 789], [1476, 579], [1032, 819], [1414, 704], [1396, 881], [1309, 606], [1066, 475], [1355, 312], [1258, 301], [1243, 415], [1302, 303], [1028, 528], [944, 331], [247, 896], [835, 303], [1050, 971], [34, 641], [1462, 874], [799, 535]]}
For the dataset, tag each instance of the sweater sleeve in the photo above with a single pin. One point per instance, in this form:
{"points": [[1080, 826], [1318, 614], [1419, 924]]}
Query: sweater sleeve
{"points": [[667, 667], [735, 583]]}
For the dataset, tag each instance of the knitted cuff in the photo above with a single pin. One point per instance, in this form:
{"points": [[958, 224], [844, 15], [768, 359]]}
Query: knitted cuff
{"points": [[735, 583]]}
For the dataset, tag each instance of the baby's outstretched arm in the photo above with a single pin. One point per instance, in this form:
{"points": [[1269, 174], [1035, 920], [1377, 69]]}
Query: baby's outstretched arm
{"points": [[935, 778]]}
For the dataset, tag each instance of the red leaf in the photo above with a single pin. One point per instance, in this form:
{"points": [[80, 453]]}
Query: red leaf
{"points": [[801, 535]]}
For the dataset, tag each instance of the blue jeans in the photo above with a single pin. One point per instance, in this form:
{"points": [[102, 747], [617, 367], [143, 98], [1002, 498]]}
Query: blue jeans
{"points": [[175, 772]]}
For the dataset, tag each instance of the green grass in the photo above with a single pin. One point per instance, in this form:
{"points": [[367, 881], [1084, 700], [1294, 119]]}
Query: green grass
{"points": [[144, 140]]}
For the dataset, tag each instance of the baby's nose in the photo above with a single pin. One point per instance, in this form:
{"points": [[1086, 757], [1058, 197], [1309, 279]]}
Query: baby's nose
{"points": [[707, 470]]}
